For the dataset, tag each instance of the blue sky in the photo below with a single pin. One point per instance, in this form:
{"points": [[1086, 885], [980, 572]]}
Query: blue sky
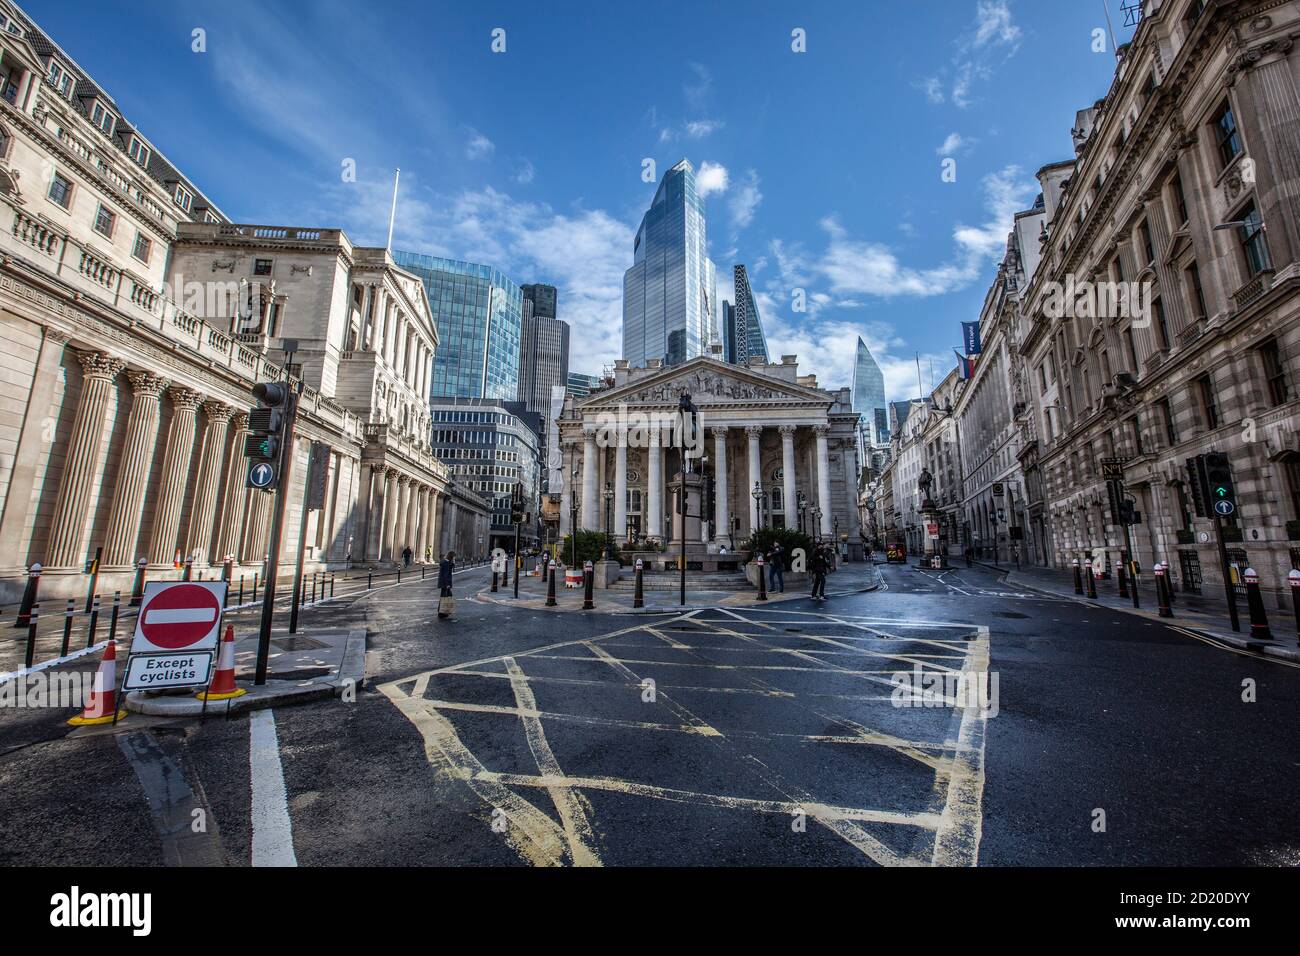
{"points": [[824, 166]]}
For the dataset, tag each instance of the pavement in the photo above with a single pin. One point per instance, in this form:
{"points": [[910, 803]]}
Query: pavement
{"points": [[1062, 733]]}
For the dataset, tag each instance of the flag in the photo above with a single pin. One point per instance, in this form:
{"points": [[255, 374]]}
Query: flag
{"points": [[970, 336], [965, 366]]}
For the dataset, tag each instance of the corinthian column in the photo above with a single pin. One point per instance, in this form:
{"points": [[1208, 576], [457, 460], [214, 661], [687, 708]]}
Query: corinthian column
{"points": [[232, 508], [721, 507], [392, 505], [787, 475], [619, 530], [754, 433], [203, 509], [824, 477], [590, 506], [67, 529], [133, 471], [655, 502], [175, 471]]}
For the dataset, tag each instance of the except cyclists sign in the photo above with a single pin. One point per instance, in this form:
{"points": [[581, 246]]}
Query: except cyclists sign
{"points": [[175, 635]]}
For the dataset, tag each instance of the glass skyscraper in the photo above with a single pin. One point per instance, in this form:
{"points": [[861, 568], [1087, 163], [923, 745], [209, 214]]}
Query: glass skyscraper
{"points": [[869, 402], [669, 294], [742, 328], [479, 314]]}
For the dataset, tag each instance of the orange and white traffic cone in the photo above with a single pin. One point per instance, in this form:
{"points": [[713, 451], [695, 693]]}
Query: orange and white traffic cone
{"points": [[223, 681], [102, 706]]}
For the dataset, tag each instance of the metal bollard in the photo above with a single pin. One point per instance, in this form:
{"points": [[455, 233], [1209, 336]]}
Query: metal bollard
{"points": [[370, 580], [1078, 580], [1162, 589], [189, 569], [112, 620], [67, 627], [332, 576], [638, 596], [137, 587], [494, 582], [256, 577], [550, 585], [1255, 601], [1089, 573], [1294, 580], [762, 580], [241, 589], [29, 596], [31, 633], [94, 623], [1122, 577], [588, 582]]}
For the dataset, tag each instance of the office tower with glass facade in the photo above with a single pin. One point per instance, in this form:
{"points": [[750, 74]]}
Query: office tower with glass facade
{"points": [[669, 294], [544, 348], [580, 385], [479, 315], [742, 329], [869, 402]]}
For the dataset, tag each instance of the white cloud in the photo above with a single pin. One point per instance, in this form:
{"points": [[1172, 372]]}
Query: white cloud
{"points": [[478, 146], [993, 39], [954, 142], [697, 129], [525, 173], [932, 86], [993, 24], [711, 178], [744, 200]]}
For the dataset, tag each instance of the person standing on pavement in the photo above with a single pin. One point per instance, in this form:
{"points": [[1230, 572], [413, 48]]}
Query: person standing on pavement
{"points": [[819, 574], [406, 555], [776, 568], [445, 570]]}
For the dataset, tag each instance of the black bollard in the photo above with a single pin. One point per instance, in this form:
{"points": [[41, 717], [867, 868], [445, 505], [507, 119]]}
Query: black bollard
{"points": [[94, 623], [137, 587], [189, 569], [112, 620], [1092, 582], [31, 633], [762, 580], [226, 566], [588, 583], [1122, 577], [1162, 590], [67, 627], [1078, 580], [638, 596], [1294, 580], [494, 582], [550, 585], [1255, 601], [29, 596]]}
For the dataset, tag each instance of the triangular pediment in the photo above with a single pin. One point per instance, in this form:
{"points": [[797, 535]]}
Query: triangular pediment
{"points": [[710, 383]]}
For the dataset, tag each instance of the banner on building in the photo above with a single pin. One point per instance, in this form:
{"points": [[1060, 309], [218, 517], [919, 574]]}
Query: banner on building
{"points": [[965, 366], [970, 337]]}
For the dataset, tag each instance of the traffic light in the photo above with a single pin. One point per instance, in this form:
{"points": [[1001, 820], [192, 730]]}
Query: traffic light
{"points": [[1221, 492], [266, 433], [1197, 484]]}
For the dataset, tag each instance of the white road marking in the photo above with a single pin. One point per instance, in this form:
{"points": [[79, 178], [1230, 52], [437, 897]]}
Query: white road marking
{"points": [[272, 829]]}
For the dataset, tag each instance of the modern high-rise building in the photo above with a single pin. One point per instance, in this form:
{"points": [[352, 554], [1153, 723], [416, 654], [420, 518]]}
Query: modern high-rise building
{"points": [[580, 385], [478, 311], [669, 294], [543, 348], [742, 329], [869, 402]]}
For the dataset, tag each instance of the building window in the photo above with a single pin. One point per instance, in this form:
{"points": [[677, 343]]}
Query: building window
{"points": [[183, 197], [1132, 350], [142, 248], [1148, 247], [1166, 414], [1292, 465], [1137, 436], [261, 267], [1162, 325], [102, 118], [61, 191], [1225, 134], [60, 78], [104, 221], [1209, 404], [1252, 240], [1270, 357], [1193, 273], [1180, 199], [138, 151]]}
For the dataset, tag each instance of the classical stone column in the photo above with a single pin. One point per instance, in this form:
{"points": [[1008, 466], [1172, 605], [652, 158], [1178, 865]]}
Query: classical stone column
{"points": [[655, 497], [67, 529], [392, 509], [788, 493], [566, 494], [1268, 72], [590, 500], [133, 470], [412, 513], [233, 504], [619, 531], [721, 508], [754, 433], [175, 472], [203, 509], [376, 518], [824, 477], [362, 527], [431, 524]]}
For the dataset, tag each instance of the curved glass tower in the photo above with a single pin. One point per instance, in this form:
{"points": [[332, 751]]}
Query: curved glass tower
{"points": [[669, 300], [869, 401]]}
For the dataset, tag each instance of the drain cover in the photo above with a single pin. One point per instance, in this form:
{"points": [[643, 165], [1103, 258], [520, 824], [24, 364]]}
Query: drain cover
{"points": [[297, 643]]}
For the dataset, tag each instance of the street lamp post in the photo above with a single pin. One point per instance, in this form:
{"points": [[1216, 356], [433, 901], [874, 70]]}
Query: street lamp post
{"points": [[757, 495], [817, 524], [803, 508], [573, 517], [685, 407], [608, 495]]}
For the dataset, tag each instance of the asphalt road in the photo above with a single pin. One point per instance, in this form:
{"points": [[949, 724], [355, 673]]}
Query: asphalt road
{"points": [[753, 736]]}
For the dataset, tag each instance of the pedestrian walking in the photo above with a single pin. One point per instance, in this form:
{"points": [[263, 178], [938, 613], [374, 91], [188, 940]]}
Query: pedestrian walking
{"points": [[776, 568], [819, 574], [428, 554], [446, 602], [406, 555]]}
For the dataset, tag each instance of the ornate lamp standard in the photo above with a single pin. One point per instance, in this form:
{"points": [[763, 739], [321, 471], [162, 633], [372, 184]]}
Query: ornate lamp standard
{"points": [[757, 495], [685, 407], [608, 495], [573, 516], [803, 508], [817, 524]]}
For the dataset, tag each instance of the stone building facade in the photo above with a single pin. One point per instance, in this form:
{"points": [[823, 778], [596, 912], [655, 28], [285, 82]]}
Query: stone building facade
{"points": [[1185, 188], [126, 387], [765, 426]]}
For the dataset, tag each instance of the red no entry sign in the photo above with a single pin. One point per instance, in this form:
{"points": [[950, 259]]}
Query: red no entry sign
{"points": [[179, 616]]}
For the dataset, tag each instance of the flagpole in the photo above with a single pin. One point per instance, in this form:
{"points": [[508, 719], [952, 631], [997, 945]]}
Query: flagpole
{"points": [[920, 389], [392, 214]]}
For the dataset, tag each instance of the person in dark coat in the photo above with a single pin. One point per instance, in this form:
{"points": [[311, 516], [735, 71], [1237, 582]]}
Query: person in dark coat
{"points": [[819, 565], [406, 555], [445, 569], [776, 568]]}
